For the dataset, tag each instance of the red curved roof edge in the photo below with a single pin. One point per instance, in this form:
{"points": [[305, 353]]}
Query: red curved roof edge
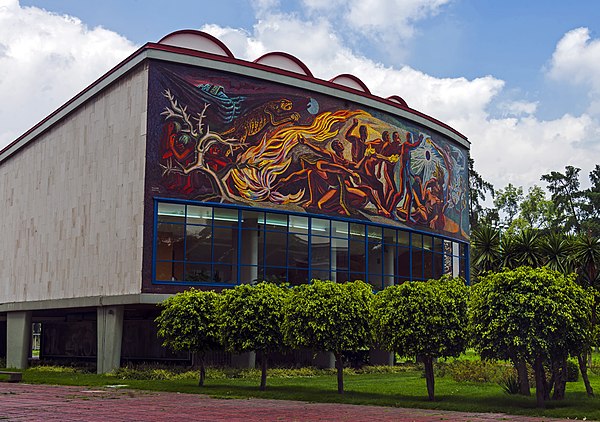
{"points": [[289, 56], [356, 79], [233, 60], [203, 35], [276, 70], [397, 99]]}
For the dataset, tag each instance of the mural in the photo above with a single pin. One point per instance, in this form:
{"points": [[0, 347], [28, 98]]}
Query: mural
{"points": [[225, 138]]}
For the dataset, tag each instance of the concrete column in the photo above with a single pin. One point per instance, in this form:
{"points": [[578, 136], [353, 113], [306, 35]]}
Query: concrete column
{"points": [[389, 256], [18, 339], [249, 251], [456, 259], [110, 337], [324, 360], [244, 360], [381, 357]]}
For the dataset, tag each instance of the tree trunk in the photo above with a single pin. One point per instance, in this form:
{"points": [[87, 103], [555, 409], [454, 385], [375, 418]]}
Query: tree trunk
{"points": [[202, 370], [559, 373], [339, 364], [429, 377], [523, 377], [581, 359], [263, 375], [540, 382]]}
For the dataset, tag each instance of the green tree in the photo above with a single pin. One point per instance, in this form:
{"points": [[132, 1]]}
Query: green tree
{"points": [[485, 246], [329, 317], [535, 210], [591, 207], [567, 198], [188, 322], [423, 319], [537, 315], [507, 201], [478, 190], [250, 319]]}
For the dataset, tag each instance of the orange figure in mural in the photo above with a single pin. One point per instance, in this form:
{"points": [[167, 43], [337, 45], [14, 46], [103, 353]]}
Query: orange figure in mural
{"points": [[405, 189], [334, 183]]}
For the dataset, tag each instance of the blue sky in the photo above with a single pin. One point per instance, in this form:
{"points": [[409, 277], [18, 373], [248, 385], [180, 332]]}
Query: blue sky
{"points": [[521, 79]]}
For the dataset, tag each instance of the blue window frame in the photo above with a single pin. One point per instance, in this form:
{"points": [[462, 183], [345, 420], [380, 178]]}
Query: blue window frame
{"points": [[199, 243]]}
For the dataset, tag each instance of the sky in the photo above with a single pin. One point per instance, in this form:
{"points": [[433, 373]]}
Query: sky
{"points": [[520, 79]]}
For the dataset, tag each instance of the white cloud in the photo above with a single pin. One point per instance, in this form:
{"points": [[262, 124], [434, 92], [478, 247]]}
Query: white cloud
{"points": [[45, 59], [576, 59], [380, 19], [518, 108]]}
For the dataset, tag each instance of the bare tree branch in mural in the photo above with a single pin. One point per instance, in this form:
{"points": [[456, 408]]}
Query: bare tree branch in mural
{"points": [[204, 144], [179, 112], [205, 140]]}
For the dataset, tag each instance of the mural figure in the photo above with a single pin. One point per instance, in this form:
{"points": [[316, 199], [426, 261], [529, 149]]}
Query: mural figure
{"points": [[305, 153], [272, 113]]}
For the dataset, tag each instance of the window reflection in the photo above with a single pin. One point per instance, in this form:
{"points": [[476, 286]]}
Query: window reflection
{"points": [[221, 246]]}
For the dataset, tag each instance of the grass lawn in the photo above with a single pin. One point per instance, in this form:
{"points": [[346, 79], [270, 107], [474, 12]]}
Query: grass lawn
{"points": [[401, 389]]}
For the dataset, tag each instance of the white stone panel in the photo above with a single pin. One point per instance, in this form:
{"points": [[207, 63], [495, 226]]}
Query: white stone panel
{"points": [[72, 201]]}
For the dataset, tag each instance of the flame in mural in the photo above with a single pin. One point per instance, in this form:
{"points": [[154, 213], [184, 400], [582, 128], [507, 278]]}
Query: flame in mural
{"points": [[267, 161], [346, 162]]}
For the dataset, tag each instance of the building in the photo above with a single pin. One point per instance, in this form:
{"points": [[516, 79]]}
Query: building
{"points": [[184, 166]]}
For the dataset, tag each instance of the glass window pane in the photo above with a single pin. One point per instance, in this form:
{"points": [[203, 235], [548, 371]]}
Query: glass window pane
{"points": [[169, 271], [225, 216], [200, 273], [428, 243], [276, 249], [339, 229], [199, 215], [224, 248], [417, 264], [275, 275], [174, 213], [320, 256], [376, 281], [169, 242], [438, 245], [339, 276], [339, 254], [375, 255], [297, 276], [358, 258], [389, 236], [404, 263], [320, 227], [298, 250], [403, 238], [320, 275], [417, 240], [438, 265], [276, 222], [427, 265], [198, 243], [224, 274], [357, 231], [298, 224], [252, 217]]}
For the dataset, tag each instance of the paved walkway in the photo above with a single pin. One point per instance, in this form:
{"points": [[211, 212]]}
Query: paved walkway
{"points": [[24, 402]]}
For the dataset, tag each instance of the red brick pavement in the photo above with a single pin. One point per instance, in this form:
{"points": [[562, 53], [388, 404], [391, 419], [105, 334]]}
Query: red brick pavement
{"points": [[23, 402]]}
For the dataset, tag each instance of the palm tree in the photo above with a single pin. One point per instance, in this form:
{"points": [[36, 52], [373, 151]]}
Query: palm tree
{"points": [[527, 248], [556, 249], [508, 251], [485, 244], [586, 256]]}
